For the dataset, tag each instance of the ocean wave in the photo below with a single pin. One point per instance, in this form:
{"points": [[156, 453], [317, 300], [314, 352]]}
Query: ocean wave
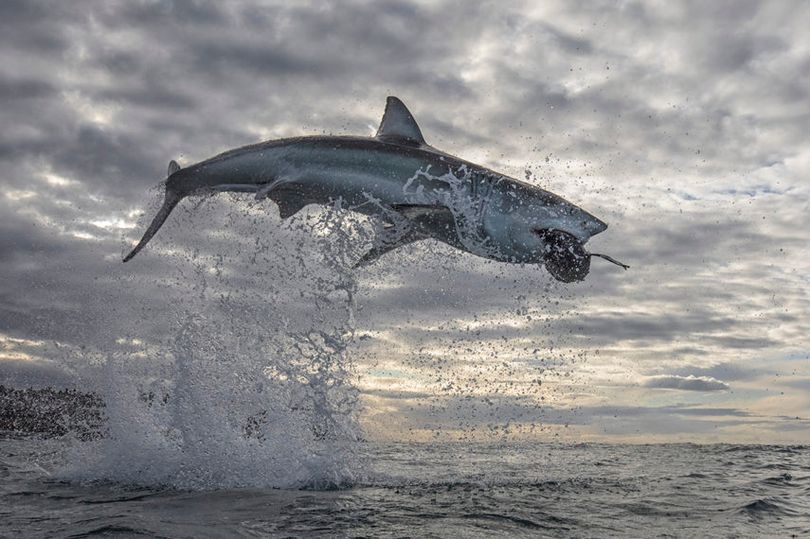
{"points": [[767, 506]]}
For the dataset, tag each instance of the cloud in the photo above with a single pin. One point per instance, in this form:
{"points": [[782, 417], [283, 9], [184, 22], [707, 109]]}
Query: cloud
{"points": [[467, 417], [722, 371], [35, 373], [683, 126], [686, 383]]}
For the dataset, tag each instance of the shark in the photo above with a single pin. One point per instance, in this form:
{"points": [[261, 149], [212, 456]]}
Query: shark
{"points": [[412, 190]]}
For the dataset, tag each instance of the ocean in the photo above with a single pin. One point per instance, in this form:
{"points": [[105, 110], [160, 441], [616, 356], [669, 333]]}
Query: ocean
{"points": [[443, 489], [236, 412]]}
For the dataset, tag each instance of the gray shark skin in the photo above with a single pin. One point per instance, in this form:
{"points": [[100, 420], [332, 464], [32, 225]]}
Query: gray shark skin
{"points": [[415, 190]]}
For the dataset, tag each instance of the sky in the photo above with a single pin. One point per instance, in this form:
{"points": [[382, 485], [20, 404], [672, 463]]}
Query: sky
{"points": [[681, 124]]}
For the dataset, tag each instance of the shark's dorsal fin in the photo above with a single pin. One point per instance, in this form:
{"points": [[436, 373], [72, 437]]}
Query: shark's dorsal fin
{"points": [[398, 124], [173, 167]]}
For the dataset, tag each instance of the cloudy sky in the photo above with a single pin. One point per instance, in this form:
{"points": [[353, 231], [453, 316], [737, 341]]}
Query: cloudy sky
{"points": [[684, 125]]}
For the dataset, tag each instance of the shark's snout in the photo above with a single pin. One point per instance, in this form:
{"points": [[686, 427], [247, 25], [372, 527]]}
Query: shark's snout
{"points": [[595, 226], [579, 223], [589, 225]]}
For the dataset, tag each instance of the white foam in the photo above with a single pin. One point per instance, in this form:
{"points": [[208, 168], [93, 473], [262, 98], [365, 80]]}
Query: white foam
{"points": [[249, 384]]}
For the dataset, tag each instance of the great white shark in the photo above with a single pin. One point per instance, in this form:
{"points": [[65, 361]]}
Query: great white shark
{"points": [[416, 191]]}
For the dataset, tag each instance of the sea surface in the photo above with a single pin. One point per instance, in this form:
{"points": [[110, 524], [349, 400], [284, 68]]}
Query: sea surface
{"points": [[440, 490], [236, 413]]}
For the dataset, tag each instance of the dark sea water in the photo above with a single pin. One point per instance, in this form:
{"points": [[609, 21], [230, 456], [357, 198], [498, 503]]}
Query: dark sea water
{"points": [[234, 421], [442, 490]]}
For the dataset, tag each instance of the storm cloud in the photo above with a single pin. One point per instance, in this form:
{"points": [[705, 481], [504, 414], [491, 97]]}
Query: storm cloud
{"points": [[683, 125]]}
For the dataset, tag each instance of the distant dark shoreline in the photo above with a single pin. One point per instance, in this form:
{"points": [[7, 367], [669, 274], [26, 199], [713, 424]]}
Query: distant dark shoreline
{"points": [[51, 412]]}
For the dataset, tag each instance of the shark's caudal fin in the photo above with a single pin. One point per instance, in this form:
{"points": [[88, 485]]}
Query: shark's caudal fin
{"points": [[170, 200]]}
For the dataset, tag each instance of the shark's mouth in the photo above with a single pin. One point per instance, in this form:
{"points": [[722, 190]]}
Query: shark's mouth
{"points": [[566, 258]]}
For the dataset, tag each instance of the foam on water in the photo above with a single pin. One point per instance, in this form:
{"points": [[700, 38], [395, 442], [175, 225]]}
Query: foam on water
{"points": [[246, 380]]}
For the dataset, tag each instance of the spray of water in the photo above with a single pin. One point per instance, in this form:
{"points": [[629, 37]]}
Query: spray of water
{"points": [[465, 195], [235, 371], [241, 376], [478, 345]]}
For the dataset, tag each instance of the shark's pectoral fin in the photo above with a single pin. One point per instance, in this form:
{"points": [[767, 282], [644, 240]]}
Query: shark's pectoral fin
{"points": [[288, 199], [410, 223], [434, 221], [377, 252], [392, 237]]}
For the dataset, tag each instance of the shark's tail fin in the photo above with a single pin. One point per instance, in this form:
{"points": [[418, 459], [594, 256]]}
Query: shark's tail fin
{"points": [[170, 200]]}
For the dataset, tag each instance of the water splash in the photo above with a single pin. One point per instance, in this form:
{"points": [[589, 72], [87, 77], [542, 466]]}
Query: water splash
{"points": [[249, 382], [475, 351], [466, 194]]}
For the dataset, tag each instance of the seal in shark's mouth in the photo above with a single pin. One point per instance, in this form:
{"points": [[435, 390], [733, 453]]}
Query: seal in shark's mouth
{"points": [[566, 259]]}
